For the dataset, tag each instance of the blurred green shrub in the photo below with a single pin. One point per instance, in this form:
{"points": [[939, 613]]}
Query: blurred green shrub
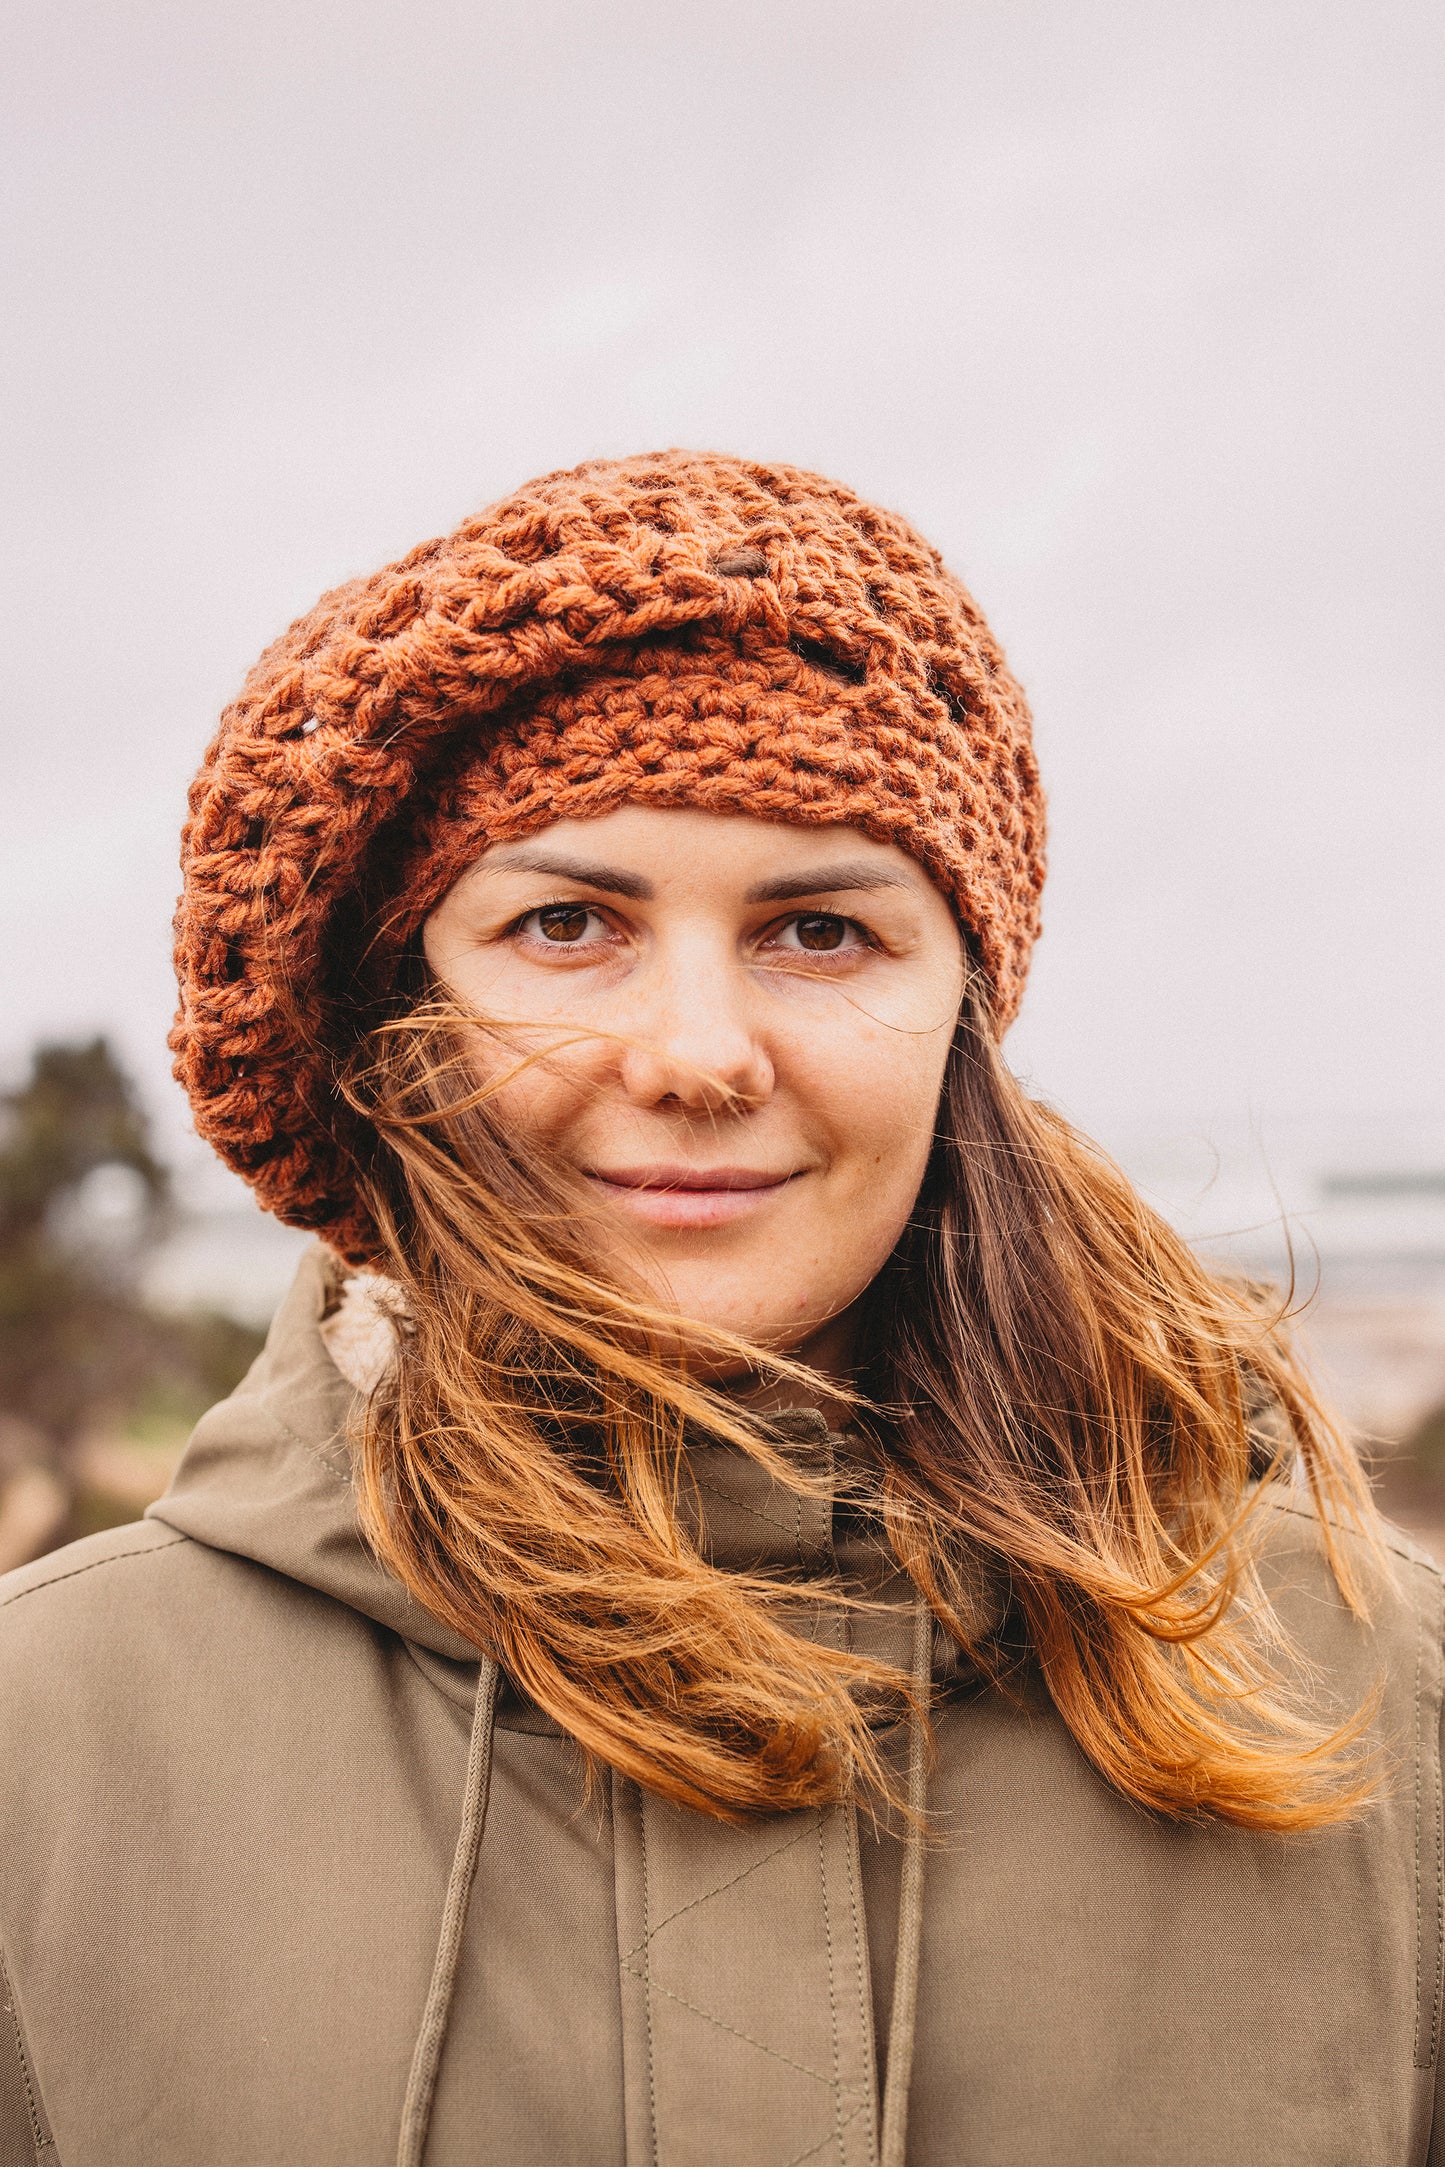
{"points": [[86, 1366]]}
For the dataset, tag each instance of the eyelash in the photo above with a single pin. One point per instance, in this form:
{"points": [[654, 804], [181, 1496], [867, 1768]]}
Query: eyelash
{"points": [[572, 902], [553, 902], [827, 917]]}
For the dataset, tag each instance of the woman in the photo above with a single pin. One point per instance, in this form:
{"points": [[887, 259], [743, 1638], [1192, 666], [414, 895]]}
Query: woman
{"points": [[758, 1606]]}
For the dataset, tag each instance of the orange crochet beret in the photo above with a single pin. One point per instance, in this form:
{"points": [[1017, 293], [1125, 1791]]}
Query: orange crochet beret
{"points": [[675, 629]]}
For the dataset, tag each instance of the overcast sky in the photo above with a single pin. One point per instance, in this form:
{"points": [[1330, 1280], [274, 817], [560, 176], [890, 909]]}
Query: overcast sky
{"points": [[1135, 308]]}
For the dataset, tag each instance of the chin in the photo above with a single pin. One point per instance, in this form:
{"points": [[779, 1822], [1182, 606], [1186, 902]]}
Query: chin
{"points": [[771, 1334]]}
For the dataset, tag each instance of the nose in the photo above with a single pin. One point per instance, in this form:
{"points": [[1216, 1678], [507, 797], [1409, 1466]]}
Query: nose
{"points": [[693, 1045]]}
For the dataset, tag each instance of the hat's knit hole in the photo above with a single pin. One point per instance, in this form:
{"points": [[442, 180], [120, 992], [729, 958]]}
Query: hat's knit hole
{"points": [[235, 962], [825, 659], [739, 564], [255, 835], [684, 636], [957, 706]]}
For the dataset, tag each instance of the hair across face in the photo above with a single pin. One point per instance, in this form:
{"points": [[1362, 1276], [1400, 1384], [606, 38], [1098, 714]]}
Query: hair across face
{"points": [[731, 1032], [1056, 1395]]}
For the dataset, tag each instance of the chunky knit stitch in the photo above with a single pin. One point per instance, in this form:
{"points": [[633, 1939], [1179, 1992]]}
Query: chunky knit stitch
{"points": [[675, 629]]}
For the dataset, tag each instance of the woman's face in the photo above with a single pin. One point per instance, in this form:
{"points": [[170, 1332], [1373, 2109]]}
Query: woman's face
{"points": [[743, 1028]]}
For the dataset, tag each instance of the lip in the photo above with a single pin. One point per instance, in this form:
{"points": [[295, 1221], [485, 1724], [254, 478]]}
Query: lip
{"points": [[689, 1196]]}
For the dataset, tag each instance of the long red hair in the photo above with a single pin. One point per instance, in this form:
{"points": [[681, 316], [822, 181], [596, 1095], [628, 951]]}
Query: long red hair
{"points": [[1055, 1392]]}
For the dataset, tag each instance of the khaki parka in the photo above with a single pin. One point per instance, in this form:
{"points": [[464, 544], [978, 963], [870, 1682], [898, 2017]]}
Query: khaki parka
{"points": [[236, 1760]]}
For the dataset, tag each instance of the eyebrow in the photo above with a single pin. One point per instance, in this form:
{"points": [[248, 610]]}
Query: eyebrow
{"points": [[844, 876], [848, 875], [610, 878]]}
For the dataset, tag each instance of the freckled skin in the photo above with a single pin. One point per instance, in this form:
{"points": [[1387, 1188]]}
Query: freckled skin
{"points": [[746, 1078]]}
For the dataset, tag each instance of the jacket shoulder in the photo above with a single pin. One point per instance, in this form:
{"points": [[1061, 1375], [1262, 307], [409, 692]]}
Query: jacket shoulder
{"points": [[1388, 1620], [1292, 1529], [138, 1542], [92, 1585], [1292, 1522]]}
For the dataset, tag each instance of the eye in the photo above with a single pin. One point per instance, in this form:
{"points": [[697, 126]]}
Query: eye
{"points": [[820, 933], [563, 925]]}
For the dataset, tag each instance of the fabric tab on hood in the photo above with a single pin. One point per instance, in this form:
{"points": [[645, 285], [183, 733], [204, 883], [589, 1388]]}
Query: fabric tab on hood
{"points": [[267, 1473]]}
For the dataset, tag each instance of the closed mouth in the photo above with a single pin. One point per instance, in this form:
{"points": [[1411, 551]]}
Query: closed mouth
{"points": [[689, 1197], [688, 1178]]}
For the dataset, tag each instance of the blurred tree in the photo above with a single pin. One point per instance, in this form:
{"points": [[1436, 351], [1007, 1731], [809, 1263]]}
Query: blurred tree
{"points": [[76, 1111], [72, 1343], [83, 1203]]}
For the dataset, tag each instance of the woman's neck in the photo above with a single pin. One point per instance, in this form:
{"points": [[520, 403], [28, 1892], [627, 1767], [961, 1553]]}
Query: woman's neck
{"points": [[830, 1353]]}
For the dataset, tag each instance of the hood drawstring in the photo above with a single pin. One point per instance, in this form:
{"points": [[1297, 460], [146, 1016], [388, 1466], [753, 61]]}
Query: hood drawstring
{"points": [[910, 1903], [426, 2056]]}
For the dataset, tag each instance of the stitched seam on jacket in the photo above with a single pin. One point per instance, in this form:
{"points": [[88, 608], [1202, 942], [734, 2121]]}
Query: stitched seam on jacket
{"points": [[819, 2076], [121, 1557], [1398, 1545], [840, 2092], [859, 1953], [314, 1451], [646, 1978], [754, 1512], [38, 2138], [800, 2158], [832, 1988], [651, 1932]]}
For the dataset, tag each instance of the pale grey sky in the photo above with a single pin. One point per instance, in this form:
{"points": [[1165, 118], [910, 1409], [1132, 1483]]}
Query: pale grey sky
{"points": [[1136, 309]]}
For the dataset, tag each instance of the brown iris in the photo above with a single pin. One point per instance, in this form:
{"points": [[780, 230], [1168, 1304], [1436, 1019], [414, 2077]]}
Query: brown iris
{"points": [[563, 922], [820, 933]]}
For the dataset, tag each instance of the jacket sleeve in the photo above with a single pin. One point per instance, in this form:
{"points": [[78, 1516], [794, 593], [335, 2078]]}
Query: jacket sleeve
{"points": [[25, 2139]]}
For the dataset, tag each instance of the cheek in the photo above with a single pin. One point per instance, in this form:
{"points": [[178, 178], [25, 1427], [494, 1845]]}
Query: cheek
{"points": [[537, 1097], [877, 1097]]}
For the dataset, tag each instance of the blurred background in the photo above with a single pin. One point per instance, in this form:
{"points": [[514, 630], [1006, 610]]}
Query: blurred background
{"points": [[1135, 310]]}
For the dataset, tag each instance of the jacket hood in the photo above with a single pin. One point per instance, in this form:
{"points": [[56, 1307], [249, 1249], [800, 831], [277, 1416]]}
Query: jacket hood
{"points": [[267, 1473]]}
